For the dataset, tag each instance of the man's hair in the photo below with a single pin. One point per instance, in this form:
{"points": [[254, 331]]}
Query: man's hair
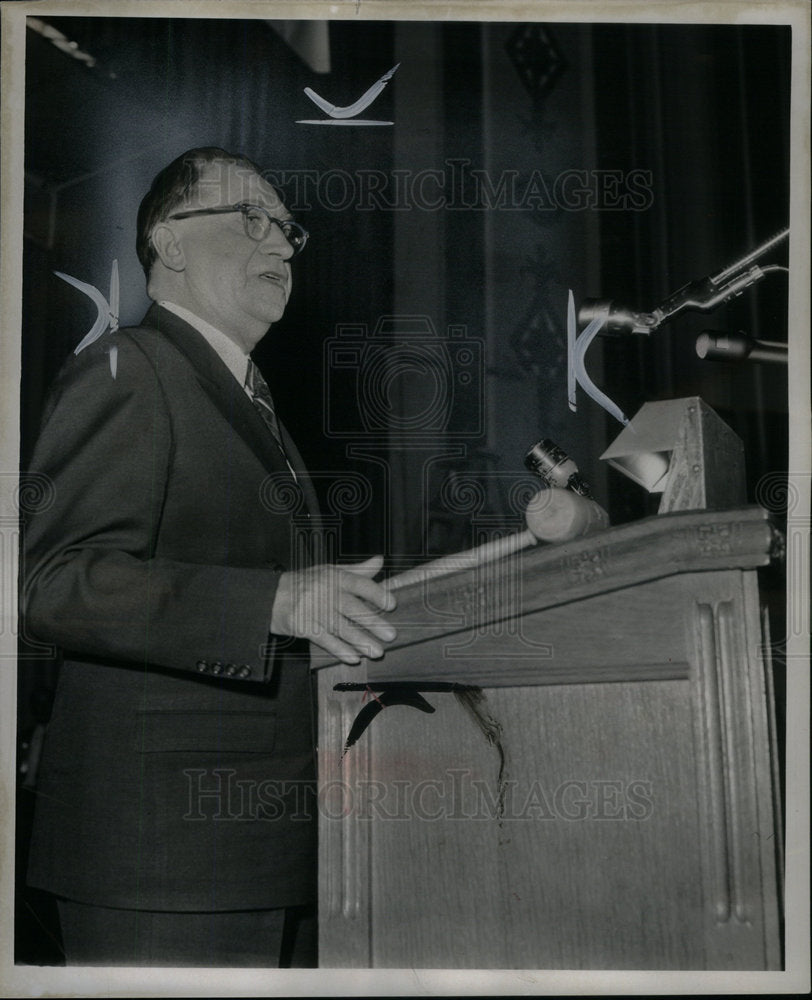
{"points": [[171, 189]]}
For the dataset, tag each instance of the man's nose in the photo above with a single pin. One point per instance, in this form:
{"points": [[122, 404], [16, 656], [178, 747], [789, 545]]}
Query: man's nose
{"points": [[276, 243]]}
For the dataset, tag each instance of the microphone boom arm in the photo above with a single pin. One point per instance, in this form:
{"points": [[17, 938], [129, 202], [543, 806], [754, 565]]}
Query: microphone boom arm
{"points": [[700, 296]]}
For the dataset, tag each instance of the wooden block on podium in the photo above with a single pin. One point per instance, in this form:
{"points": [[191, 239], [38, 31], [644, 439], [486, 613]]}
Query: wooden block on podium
{"points": [[682, 449]]}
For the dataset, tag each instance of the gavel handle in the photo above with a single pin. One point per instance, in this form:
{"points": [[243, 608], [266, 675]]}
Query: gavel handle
{"points": [[485, 553]]}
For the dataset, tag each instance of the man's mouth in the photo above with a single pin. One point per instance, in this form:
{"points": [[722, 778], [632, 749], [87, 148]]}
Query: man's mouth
{"points": [[278, 279]]}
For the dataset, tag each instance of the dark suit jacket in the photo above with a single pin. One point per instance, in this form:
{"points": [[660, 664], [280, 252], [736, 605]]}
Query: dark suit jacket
{"points": [[178, 765]]}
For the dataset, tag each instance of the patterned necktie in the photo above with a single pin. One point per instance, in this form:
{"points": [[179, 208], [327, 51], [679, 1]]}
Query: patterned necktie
{"points": [[263, 401]]}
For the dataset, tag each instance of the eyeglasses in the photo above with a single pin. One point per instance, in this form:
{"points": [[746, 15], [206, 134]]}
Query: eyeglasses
{"points": [[257, 222]]}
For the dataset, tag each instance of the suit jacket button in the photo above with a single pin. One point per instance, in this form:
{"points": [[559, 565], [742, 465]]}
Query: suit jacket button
{"points": [[244, 671], [231, 670], [203, 666], [217, 667]]}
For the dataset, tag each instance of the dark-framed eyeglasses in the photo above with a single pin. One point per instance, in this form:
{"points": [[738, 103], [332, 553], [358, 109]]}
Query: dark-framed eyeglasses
{"points": [[258, 222]]}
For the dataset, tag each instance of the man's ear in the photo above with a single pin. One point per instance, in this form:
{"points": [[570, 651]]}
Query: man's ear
{"points": [[167, 246]]}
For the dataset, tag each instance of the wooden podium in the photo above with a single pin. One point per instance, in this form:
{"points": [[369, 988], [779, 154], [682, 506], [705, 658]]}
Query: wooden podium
{"points": [[598, 791]]}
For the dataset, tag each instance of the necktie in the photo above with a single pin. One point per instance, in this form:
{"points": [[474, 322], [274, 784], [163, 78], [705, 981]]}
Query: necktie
{"points": [[263, 401]]}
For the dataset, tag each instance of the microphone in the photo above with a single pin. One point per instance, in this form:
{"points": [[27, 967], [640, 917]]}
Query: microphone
{"points": [[555, 468], [717, 345], [619, 319]]}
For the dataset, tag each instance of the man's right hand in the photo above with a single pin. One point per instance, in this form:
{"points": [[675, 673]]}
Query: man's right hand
{"points": [[335, 607]]}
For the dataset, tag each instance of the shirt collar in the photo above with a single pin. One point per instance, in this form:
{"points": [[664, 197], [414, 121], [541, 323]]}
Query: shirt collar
{"points": [[230, 353]]}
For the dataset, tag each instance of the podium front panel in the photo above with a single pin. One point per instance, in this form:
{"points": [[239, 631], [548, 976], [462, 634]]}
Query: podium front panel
{"points": [[615, 813]]}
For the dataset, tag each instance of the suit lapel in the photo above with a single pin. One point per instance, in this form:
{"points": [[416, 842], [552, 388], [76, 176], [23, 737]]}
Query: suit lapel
{"points": [[224, 391]]}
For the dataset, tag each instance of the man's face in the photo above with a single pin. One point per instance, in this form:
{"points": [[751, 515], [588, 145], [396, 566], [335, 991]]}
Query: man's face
{"points": [[231, 281]]}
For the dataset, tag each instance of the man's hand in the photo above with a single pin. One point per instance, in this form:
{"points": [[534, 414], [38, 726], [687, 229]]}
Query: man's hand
{"points": [[335, 608]]}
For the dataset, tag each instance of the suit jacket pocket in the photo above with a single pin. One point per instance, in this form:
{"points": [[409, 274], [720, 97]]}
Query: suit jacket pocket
{"points": [[225, 731]]}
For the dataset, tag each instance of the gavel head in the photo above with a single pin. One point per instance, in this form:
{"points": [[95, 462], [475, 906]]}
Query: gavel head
{"points": [[556, 515], [538, 510]]}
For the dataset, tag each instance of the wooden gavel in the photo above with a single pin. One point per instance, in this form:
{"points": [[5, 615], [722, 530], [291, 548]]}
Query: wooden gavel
{"points": [[553, 515]]}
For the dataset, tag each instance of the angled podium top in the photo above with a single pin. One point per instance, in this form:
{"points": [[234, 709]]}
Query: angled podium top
{"points": [[548, 576]]}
